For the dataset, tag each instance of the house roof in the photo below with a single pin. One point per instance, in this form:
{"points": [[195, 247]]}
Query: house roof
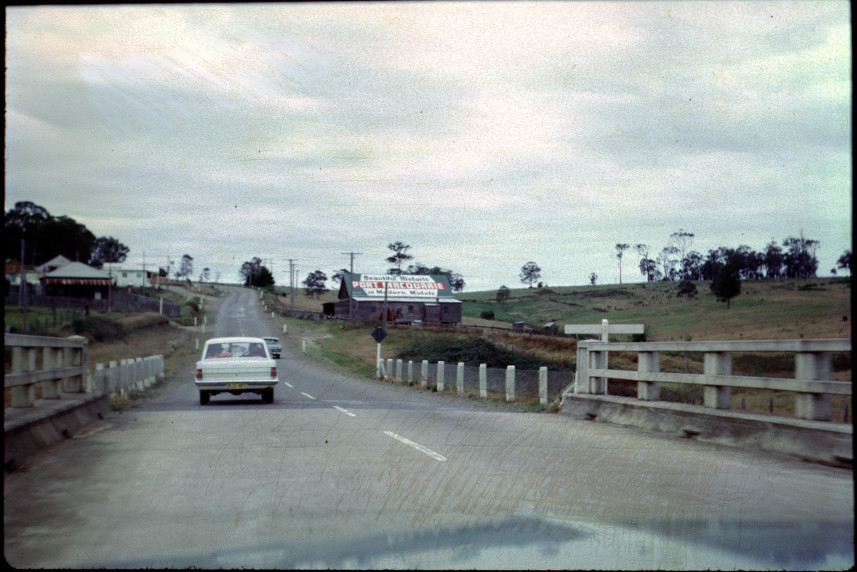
{"points": [[425, 288], [77, 273], [55, 262]]}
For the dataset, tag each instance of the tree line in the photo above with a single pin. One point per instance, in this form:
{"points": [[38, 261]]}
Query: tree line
{"points": [[795, 258], [46, 236]]}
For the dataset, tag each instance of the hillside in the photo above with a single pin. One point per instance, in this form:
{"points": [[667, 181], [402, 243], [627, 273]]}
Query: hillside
{"points": [[783, 309]]}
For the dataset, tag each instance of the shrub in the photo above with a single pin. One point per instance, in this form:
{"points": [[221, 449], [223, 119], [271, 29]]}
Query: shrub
{"points": [[98, 329], [487, 315]]}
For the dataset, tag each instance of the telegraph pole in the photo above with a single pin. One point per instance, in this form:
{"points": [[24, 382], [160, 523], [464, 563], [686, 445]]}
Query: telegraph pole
{"points": [[291, 285], [351, 298]]}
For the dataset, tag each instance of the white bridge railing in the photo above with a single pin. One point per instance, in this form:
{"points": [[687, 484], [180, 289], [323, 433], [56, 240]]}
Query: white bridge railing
{"points": [[811, 383], [60, 366]]}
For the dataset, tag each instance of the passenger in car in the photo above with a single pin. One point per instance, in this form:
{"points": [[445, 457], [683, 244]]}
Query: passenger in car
{"points": [[214, 351], [256, 350]]}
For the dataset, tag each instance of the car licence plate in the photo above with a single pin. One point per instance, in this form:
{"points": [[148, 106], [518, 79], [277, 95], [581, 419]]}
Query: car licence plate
{"points": [[236, 386]]}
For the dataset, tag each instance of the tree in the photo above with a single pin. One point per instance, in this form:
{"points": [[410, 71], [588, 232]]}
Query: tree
{"points": [[668, 259], [773, 261], [530, 272], [681, 240], [727, 284], [645, 266], [338, 275], [455, 280], [800, 260], [686, 289], [503, 294], [186, 267], [22, 223], [593, 278], [649, 269], [255, 274], [844, 261], [314, 284], [108, 250], [620, 251], [63, 235], [400, 255]]}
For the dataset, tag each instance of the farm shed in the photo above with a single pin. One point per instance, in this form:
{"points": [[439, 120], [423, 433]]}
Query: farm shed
{"points": [[409, 298]]}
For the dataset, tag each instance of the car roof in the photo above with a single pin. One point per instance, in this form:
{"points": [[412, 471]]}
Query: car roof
{"points": [[233, 340], [271, 338]]}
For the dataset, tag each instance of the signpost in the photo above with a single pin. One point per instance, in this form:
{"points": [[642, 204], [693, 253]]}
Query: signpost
{"points": [[379, 334]]}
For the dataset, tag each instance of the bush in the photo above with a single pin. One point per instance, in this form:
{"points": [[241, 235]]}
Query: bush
{"points": [[487, 315], [98, 329]]}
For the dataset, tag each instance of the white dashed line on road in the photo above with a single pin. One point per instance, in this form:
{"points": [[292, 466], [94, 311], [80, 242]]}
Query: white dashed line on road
{"points": [[289, 384], [417, 446], [307, 395], [338, 408]]}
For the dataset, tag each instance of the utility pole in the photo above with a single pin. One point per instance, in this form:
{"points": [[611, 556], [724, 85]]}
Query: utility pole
{"points": [[22, 294], [351, 298], [291, 285]]}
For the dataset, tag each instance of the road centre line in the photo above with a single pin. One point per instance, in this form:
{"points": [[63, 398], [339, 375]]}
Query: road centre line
{"points": [[307, 395], [417, 446], [289, 384], [338, 408]]}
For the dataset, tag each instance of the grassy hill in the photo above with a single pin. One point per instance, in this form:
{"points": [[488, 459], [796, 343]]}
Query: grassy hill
{"points": [[783, 309], [813, 308]]}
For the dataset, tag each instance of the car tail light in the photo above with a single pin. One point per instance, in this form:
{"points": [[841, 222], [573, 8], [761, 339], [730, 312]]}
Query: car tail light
{"points": [[198, 373], [274, 371]]}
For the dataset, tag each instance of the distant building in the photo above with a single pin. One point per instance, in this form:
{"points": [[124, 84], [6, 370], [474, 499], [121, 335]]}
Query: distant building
{"points": [[77, 280], [409, 298], [138, 278]]}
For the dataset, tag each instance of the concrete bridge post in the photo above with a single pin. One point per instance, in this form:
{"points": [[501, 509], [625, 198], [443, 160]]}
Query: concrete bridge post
{"points": [[581, 377], [23, 360], [648, 362], [410, 370], [510, 383], [815, 365], [543, 385], [459, 378], [441, 370], [51, 358], [424, 374], [398, 375], [717, 396], [483, 380], [597, 360]]}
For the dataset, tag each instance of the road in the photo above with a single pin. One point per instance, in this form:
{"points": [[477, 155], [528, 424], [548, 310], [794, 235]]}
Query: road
{"points": [[342, 472]]}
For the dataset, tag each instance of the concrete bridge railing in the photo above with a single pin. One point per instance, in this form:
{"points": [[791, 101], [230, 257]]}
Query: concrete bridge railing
{"points": [[811, 384], [64, 369]]}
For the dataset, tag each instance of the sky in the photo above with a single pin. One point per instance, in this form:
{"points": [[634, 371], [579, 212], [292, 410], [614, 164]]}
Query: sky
{"points": [[482, 134]]}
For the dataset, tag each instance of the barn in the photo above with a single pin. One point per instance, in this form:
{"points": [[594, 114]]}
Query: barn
{"points": [[408, 298]]}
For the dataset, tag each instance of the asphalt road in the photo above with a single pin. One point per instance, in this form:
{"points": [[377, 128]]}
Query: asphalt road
{"points": [[350, 473]]}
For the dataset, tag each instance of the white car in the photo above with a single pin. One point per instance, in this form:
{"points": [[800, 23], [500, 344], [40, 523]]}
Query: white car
{"points": [[236, 365]]}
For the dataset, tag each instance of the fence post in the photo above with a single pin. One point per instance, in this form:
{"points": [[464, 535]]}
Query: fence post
{"points": [[543, 385], [113, 378], [398, 376], [648, 362], [717, 396], [815, 365], [138, 374], [483, 381], [459, 377], [410, 370], [440, 373], [424, 374], [510, 383], [390, 371]]}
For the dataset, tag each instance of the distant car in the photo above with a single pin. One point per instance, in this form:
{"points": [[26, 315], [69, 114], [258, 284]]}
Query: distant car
{"points": [[236, 365], [417, 323], [274, 346]]}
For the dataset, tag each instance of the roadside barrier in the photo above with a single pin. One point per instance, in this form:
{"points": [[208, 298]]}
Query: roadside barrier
{"points": [[507, 381]]}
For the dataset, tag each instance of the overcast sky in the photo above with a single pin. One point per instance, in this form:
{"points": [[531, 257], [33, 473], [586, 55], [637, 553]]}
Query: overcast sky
{"points": [[484, 135]]}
